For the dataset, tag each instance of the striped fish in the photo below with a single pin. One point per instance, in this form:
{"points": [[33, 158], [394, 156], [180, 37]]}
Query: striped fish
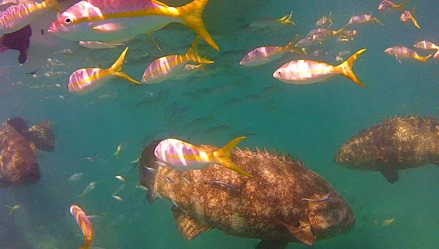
{"points": [[171, 66], [18, 16], [120, 20], [89, 79], [186, 156], [84, 224]]}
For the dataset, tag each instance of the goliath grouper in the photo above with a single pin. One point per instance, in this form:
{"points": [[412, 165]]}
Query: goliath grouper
{"points": [[18, 144], [283, 202], [397, 143]]}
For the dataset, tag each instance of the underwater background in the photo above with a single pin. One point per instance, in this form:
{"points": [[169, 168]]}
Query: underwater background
{"points": [[212, 107]]}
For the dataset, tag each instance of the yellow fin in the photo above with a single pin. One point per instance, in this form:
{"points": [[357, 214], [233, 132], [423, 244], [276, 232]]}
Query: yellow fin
{"points": [[191, 14], [223, 155], [192, 54], [402, 4], [423, 58], [116, 68], [53, 4], [345, 68]]}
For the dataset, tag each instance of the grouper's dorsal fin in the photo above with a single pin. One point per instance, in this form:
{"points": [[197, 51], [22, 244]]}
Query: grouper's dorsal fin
{"points": [[187, 225], [302, 232]]}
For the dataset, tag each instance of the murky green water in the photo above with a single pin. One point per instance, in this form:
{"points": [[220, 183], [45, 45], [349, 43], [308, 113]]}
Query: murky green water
{"points": [[214, 106]]}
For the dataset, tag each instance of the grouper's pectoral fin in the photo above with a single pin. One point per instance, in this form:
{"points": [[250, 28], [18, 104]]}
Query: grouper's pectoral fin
{"points": [[390, 174], [302, 232], [187, 225], [272, 244]]}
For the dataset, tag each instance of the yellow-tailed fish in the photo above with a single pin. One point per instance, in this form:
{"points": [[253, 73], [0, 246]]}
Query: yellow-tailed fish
{"points": [[13, 208], [84, 224], [263, 55], [406, 15], [387, 4], [426, 45], [401, 52], [361, 19], [117, 20], [304, 72], [266, 23], [89, 79], [18, 16], [165, 68], [325, 21], [186, 156]]}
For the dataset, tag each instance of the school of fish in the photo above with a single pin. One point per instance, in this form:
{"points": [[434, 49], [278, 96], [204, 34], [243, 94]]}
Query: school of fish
{"points": [[246, 193]]}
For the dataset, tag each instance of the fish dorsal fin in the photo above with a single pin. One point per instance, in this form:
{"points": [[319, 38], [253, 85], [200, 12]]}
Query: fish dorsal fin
{"points": [[42, 136], [302, 232], [187, 225]]}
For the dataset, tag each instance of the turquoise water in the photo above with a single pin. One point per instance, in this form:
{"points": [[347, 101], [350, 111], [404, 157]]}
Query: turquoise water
{"points": [[214, 106]]}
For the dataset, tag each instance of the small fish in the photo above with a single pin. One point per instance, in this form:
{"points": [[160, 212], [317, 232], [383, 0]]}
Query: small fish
{"points": [[361, 19], [319, 35], [141, 187], [324, 198], [387, 4], [406, 15], [263, 55], [167, 67], [388, 221], [118, 150], [401, 52], [185, 156], [117, 20], [308, 71], [224, 186], [75, 177], [13, 208], [18, 16], [268, 23], [87, 189], [121, 187], [118, 198], [120, 178], [84, 224], [325, 21], [100, 45], [88, 79], [426, 45]]}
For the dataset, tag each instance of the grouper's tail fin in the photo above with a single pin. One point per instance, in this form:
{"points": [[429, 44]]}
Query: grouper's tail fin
{"points": [[345, 68], [42, 136], [191, 14], [223, 156], [148, 169]]}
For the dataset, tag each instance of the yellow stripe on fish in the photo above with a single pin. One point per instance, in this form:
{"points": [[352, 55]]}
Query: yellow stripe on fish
{"points": [[117, 20]]}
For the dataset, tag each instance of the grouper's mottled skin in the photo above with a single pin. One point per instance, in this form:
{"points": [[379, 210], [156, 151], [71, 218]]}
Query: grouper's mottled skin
{"points": [[18, 162], [268, 206], [397, 143]]}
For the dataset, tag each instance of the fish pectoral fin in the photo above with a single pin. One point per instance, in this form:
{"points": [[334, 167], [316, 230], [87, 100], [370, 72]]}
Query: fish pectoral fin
{"points": [[187, 225], [390, 174], [108, 28], [272, 244], [302, 232]]}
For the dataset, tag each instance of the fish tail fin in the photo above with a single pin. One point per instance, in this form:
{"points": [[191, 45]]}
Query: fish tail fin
{"points": [[425, 58], [292, 45], [224, 153], [286, 19], [191, 14], [42, 136], [116, 68], [192, 53], [87, 244], [53, 4], [401, 5], [345, 68], [415, 22]]}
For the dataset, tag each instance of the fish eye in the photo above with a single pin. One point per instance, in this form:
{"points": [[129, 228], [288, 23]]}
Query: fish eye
{"points": [[68, 21], [279, 72]]}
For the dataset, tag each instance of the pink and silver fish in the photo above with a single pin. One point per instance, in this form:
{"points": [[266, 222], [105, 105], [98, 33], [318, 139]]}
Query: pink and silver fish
{"points": [[304, 72], [121, 20], [186, 156]]}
